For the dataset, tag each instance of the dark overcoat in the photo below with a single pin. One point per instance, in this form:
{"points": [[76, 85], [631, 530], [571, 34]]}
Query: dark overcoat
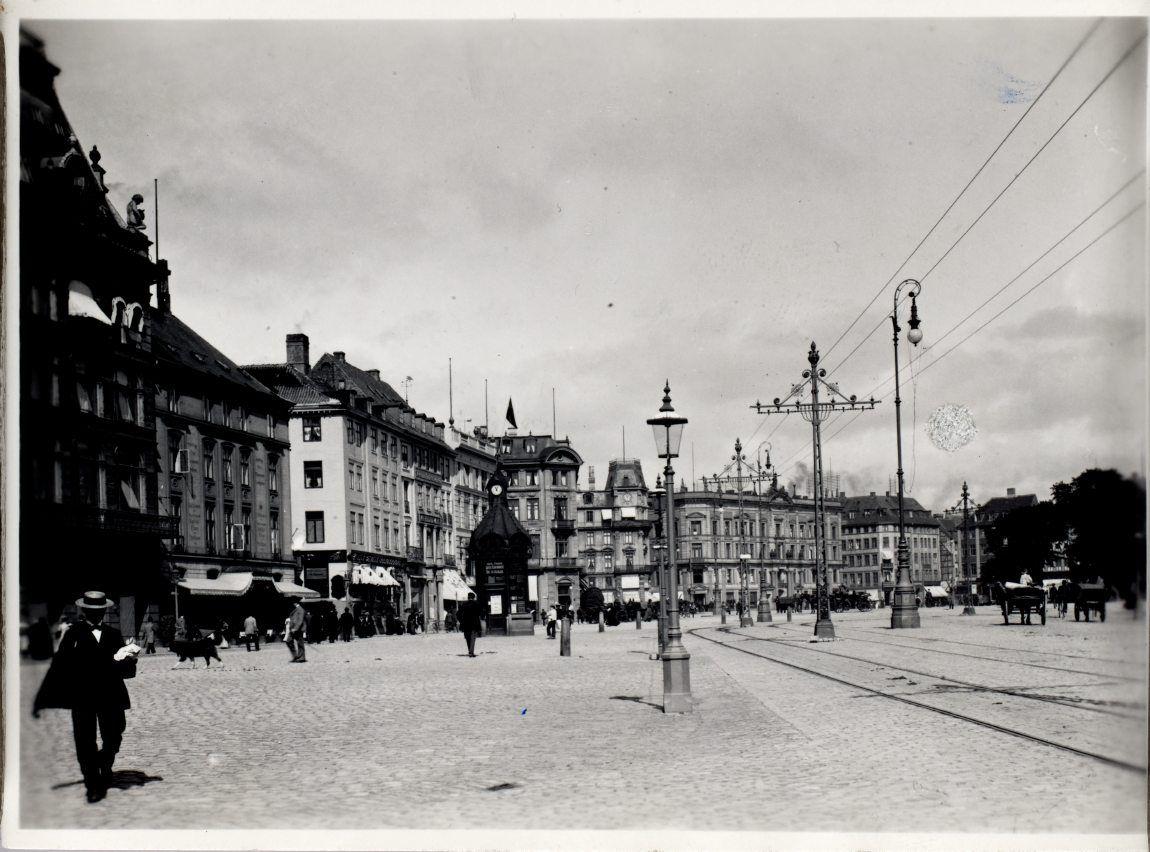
{"points": [[470, 616], [84, 673]]}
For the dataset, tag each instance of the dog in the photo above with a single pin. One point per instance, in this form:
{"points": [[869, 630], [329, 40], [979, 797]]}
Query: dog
{"points": [[189, 649]]}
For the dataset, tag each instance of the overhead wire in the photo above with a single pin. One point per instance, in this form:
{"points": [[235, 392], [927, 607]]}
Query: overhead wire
{"points": [[1129, 52], [962, 192]]}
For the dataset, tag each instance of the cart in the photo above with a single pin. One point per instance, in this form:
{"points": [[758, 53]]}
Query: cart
{"points": [[1089, 596], [1024, 600]]}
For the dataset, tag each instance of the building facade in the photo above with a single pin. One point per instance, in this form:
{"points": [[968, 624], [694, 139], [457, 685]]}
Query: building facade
{"points": [[89, 510], [542, 491], [774, 527], [613, 535], [223, 460], [473, 465], [371, 509], [870, 537]]}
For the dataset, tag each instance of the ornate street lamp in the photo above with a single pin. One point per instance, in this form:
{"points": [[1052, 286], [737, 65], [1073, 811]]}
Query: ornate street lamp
{"points": [[720, 584], [904, 612], [764, 582], [660, 566], [668, 431]]}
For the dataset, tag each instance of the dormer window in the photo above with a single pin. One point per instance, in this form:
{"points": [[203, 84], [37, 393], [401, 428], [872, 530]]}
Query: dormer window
{"points": [[529, 446]]}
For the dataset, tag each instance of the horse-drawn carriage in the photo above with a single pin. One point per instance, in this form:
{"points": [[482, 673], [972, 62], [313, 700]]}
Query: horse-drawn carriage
{"points": [[844, 600], [1087, 597], [1025, 600]]}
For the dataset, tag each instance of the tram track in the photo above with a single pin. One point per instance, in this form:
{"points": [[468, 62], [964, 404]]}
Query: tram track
{"points": [[906, 700], [999, 660], [1049, 699]]}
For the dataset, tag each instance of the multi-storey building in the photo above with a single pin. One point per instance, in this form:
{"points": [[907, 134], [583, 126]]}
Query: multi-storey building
{"points": [[542, 489], [474, 464], [870, 535], [223, 463], [370, 476], [89, 514], [613, 526], [773, 527]]}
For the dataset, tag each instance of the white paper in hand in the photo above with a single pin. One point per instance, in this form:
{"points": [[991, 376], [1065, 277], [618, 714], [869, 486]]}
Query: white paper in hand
{"points": [[129, 650]]}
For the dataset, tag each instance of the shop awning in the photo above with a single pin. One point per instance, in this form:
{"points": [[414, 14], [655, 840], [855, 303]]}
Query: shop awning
{"points": [[290, 589], [226, 585], [81, 303], [454, 588], [371, 575]]}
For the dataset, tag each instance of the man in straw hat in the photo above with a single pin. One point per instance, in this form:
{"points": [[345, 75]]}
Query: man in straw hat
{"points": [[87, 677]]}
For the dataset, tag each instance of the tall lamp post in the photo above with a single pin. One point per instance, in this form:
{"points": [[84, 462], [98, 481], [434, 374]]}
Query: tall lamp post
{"points": [[904, 612], [660, 565], [764, 580], [744, 558], [720, 584], [668, 431]]}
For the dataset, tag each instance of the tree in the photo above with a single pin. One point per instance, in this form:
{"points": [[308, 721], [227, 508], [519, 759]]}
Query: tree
{"points": [[1024, 539], [1106, 514]]}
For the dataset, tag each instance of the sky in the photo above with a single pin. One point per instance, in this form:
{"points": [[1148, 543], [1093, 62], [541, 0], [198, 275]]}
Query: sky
{"points": [[600, 206]]}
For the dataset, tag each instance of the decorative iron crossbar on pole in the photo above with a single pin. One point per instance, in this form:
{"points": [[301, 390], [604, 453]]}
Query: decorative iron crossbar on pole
{"points": [[813, 412]]}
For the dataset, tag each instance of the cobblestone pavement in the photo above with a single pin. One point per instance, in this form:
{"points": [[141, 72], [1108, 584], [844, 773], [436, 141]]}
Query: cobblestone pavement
{"points": [[408, 732]]}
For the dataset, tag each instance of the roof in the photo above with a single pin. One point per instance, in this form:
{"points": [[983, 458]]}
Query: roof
{"points": [[535, 449], [291, 384], [330, 370], [619, 468], [174, 342], [1002, 505], [883, 509], [499, 523]]}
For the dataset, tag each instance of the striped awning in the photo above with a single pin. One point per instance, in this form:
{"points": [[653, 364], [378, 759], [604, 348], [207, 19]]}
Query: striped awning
{"points": [[231, 585], [371, 575], [454, 587], [290, 589]]}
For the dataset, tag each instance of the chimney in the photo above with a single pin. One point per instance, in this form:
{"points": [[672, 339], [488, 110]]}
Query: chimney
{"points": [[163, 296], [1009, 492], [591, 477], [299, 352], [341, 357], [872, 494], [373, 373]]}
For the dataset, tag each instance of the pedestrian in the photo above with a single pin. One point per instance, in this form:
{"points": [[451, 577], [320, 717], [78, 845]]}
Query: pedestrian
{"points": [[58, 630], [87, 677], [346, 623], [148, 635], [1026, 579], [296, 623], [251, 632], [181, 629], [552, 616], [470, 621]]}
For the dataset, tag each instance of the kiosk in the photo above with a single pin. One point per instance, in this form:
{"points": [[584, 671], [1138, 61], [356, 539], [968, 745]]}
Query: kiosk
{"points": [[500, 547]]}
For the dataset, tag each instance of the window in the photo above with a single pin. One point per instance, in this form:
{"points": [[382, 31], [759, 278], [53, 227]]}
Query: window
{"points": [[229, 416], [227, 460], [271, 425], [359, 479], [560, 547], [375, 441], [513, 505], [375, 533], [532, 477], [273, 474], [210, 527], [313, 474], [359, 528], [313, 522], [177, 511], [532, 508], [697, 550], [245, 468], [375, 484], [696, 527], [246, 521], [589, 517], [404, 456], [312, 431], [242, 415], [628, 537], [561, 508], [175, 443], [209, 460], [274, 525], [607, 539]]}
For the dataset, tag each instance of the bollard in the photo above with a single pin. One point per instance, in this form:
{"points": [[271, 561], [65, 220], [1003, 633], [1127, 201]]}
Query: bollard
{"points": [[565, 638], [789, 611], [602, 626], [638, 620]]}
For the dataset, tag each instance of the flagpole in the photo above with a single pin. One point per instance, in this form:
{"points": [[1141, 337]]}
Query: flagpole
{"points": [[450, 396], [485, 423], [554, 430]]}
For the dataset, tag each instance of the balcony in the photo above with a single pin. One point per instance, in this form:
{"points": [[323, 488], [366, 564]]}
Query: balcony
{"points": [[565, 563], [563, 527], [119, 521], [415, 555], [428, 516]]}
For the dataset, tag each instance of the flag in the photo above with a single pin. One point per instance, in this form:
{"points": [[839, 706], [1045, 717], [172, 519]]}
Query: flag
{"points": [[511, 414]]}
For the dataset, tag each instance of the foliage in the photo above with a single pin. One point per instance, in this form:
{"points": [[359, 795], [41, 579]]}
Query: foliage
{"points": [[1107, 516], [1025, 539]]}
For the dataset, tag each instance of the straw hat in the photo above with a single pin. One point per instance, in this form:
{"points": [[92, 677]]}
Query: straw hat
{"points": [[93, 600]]}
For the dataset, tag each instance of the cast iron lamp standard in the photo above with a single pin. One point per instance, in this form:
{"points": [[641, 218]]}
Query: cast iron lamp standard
{"points": [[904, 612], [744, 613], [764, 580], [814, 411], [668, 431], [720, 585], [660, 566]]}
